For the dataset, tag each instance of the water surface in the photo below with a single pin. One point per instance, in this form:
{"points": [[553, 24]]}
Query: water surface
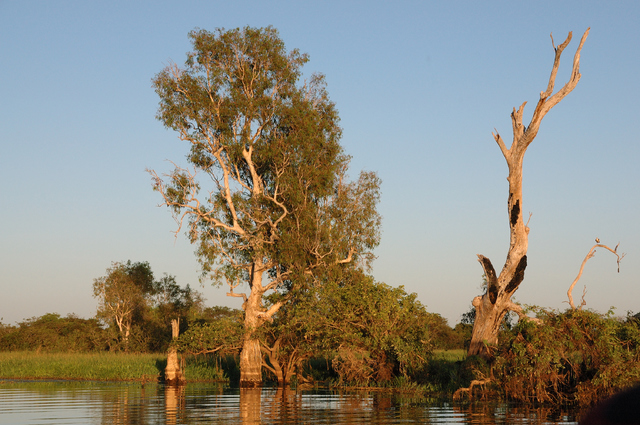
{"points": [[64, 402]]}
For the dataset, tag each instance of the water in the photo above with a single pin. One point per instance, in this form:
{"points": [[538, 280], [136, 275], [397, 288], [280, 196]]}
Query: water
{"points": [[63, 402]]}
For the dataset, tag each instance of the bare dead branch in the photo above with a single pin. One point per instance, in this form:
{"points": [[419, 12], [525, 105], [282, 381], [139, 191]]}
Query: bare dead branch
{"points": [[589, 255], [583, 302], [503, 148], [511, 306]]}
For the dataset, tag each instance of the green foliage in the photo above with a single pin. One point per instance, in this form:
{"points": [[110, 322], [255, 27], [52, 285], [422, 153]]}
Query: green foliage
{"points": [[209, 368], [446, 374], [464, 332], [442, 336], [270, 147], [53, 333], [371, 331], [221, 334], [576, 356], [275, 194]]}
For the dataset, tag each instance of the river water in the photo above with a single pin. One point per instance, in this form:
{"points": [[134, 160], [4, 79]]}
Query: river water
{"points": [[64, 402]]}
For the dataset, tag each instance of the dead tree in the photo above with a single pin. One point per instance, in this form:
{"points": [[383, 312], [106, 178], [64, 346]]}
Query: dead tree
{"points": [[496, 301]]}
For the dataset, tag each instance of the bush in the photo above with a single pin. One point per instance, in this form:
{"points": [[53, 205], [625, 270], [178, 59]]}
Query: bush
{"points": [[54, 333], [573, 357]]}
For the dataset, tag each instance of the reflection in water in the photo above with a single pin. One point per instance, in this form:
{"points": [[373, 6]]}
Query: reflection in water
{"points": [[174, 402], [250, 405], [132, 403]]}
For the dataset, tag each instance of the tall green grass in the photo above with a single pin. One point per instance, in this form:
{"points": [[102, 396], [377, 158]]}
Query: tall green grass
{"points": [[100, 366]]}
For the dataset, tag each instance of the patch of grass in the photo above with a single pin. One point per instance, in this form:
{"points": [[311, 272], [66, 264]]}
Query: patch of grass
{"points": [[446, 375], [89, 366], [450, 355], [104, 366], [211, 368]]}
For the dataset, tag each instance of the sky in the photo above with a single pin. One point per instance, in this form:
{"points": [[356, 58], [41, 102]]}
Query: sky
{"points": [[419, 85]]}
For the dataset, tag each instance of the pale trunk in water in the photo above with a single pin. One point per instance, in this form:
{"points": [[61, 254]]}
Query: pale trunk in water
{"points": [[250, 363]]}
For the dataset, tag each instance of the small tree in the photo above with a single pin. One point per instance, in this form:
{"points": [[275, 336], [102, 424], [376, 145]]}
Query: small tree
{"points": [[496, 301], [273, 208], [121, 293]]}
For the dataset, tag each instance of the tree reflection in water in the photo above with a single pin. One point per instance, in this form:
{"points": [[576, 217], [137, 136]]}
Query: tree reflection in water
{"points": [[174, 403], [250, 405], [23, 403]]}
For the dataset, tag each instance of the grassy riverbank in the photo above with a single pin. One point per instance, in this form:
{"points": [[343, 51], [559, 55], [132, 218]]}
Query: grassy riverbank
{"points": [[100, 366], [107, 366]]}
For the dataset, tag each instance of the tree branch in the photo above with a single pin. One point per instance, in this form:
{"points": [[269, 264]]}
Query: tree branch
{"points": [[547, 101], [511, 306]]}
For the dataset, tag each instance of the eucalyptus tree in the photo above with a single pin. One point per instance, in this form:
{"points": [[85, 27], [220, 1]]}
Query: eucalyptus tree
{"points": [[492, 306], [265, 195]]}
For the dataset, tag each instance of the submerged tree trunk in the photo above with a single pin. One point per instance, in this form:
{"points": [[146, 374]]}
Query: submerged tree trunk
{"points": [[496, 302], [251, 363]]}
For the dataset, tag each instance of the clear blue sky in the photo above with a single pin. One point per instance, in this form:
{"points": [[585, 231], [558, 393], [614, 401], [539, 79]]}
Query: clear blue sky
{"points": [[420, 86]]}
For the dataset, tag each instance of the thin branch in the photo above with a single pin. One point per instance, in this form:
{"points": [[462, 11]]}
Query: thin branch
{"points": [[503, 148]]}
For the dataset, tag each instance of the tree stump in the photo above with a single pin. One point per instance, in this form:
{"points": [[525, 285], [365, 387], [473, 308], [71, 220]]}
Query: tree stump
{"points": [[172, 373]]}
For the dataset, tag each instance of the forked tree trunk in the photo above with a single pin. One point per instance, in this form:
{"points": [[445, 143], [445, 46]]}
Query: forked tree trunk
{"points": [[283, 368], [496, 302]]}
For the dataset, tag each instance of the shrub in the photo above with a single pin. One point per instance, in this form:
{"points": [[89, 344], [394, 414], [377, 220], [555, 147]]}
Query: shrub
{"points": [[573, 357]]}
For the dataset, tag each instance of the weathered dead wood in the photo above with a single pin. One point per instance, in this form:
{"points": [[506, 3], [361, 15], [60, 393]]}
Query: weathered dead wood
{"points": [[591, 253], [461, 392], [496, 302]]}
